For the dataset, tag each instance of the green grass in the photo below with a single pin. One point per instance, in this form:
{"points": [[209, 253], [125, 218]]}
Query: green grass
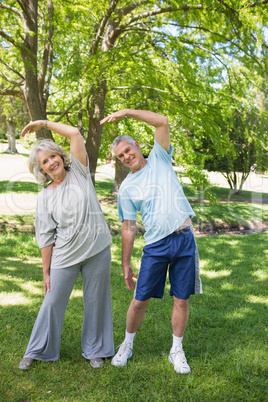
{"points": [[222, 193], [7, 186], [232, 214], [225, 340]]}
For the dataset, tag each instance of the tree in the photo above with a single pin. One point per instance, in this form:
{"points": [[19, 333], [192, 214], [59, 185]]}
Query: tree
{"points": [[24, 69], [247, 149], [188, 55], [74, 60], [12, 114]]}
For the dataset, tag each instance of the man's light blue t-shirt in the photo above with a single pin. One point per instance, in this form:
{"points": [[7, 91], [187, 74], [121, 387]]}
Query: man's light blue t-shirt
{"points": [[156, 192]]}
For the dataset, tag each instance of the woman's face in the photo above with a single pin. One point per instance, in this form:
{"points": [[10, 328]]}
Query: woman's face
{"points": [[51, 164]]}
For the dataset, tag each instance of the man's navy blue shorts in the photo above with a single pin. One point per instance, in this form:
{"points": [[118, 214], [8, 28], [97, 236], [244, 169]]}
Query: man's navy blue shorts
{"points": [[179, 252]]}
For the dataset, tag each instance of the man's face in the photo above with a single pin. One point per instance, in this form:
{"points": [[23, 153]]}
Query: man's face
{"points": [[130, 155]]}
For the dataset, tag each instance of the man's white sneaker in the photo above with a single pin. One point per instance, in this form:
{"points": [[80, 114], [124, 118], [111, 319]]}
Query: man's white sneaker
{"points": [[178, 359], [124, 353]]}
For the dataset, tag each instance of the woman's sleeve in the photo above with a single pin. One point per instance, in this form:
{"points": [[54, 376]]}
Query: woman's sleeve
{"points": [[45, 226], [77, 166]]}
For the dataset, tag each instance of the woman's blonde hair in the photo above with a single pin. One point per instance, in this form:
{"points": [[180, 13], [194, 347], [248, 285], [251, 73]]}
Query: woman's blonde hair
{"points": [[50, 147]]}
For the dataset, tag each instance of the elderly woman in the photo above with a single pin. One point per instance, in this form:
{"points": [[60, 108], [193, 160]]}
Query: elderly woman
{"points": [[73, 236]]}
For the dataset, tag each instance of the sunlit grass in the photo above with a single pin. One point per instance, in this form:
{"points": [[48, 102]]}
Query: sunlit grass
{"points": [[257, 299], [225, 340], [261, 275], [13, 299], [213, 274]]}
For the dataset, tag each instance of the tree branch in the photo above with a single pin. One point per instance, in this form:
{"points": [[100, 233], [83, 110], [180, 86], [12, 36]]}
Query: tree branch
{"points": [[256, 4], [177, 96], [8, 38], [158, 11], [234, 13], [12, 92], [67, 109], [48, 51], [215, 54], [13, 9], [102, 26], [16, 84], [12, 69]]}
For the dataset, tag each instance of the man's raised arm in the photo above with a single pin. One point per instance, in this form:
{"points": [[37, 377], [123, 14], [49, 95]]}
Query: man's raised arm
{"points": [[156, 120]]}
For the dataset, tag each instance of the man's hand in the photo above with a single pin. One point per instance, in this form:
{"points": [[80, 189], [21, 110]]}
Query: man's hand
{"points": [[129, 275], [115, 116]]}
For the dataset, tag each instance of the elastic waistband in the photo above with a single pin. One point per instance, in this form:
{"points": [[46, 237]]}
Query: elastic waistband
{"points": [[186, 228], [187, 224]]}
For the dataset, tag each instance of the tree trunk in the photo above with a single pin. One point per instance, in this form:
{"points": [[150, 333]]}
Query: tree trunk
{"points": [[94, 134], [33, 99], [232, 181], [11, 134], [121, 172]]}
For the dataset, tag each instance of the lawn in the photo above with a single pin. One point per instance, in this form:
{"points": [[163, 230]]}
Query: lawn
{"points": [[225, 341]]}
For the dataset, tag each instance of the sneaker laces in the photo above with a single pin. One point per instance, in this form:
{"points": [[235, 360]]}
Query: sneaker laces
{"points": [[179, 353], [123, 348]]}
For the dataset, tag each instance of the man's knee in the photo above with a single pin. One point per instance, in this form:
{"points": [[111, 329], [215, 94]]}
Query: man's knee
{"points": [[181, 303], [138, 305]]}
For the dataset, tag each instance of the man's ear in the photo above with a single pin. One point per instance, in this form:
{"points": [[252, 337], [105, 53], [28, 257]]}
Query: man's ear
{"points": [[137, 144]]}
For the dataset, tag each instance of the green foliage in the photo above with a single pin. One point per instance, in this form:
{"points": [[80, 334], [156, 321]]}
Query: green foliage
{"points": [[247, 147], [192, 62]]}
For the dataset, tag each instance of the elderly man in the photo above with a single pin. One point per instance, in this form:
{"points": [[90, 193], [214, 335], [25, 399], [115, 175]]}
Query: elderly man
{"points": [[152, 187]]}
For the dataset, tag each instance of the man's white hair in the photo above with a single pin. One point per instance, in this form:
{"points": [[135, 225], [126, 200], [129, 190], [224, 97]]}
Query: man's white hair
{"points": [[120, 138]]}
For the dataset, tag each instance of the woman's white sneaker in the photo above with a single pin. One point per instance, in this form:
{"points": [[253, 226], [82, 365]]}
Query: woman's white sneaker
{"points": [[124, 353], [26, 363]]}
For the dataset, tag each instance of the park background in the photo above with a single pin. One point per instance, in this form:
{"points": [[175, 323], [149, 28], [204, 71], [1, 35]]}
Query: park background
{"points": [[203, 65]]}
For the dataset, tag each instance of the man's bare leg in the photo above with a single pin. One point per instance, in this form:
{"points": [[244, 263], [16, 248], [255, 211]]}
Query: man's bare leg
{"points": [[180, 314], [179, 320], [135, 314]]}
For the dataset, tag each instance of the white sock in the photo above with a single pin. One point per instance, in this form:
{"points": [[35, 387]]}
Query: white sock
{"points": [[177, 342], [129, 338]]}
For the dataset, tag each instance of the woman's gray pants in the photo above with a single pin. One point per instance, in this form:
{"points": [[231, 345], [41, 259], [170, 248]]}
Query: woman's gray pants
{"points": [[97, 332]]}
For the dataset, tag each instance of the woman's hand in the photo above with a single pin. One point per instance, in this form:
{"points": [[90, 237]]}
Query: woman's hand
{"points": [[33, 127], [46, 260], [46, 284]]}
